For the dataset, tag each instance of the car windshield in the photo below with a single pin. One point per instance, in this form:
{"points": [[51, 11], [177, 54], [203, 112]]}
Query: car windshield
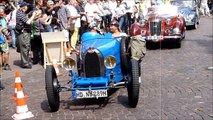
{"points": [[163, 10], [183, 3]]}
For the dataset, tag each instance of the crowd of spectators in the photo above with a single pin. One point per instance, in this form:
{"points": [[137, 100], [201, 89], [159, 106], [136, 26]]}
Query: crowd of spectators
{"points": [[21, 23]]}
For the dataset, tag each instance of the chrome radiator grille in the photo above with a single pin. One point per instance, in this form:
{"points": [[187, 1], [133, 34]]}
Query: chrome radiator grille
{"points": [[155, 28], [94, 64]]}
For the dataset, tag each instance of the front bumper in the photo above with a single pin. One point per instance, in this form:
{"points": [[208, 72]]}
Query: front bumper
{"points": [[161, 38], [190, 22], [95, 81]]}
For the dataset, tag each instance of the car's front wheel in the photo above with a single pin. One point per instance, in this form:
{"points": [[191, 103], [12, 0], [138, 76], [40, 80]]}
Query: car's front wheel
{"points": [[184, 33], [52, 88], [195, 26], [133, 83]]}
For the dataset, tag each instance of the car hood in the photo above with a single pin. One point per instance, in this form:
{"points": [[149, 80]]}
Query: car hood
{"points": [[162, 12], [159, 16], [106, 44], [185, 11]]}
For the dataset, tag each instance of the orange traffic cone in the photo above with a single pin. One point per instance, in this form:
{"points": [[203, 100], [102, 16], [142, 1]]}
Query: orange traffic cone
{"points": [[22, 111], [17, 82], [56, 66]]}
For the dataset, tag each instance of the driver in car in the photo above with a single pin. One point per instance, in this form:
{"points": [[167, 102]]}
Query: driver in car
{"points": [[115, 30]]}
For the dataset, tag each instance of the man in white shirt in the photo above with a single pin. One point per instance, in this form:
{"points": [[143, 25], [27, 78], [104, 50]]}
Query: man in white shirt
{"points": [[75, 20], [92, 11], [113, 5], [100, 13]]}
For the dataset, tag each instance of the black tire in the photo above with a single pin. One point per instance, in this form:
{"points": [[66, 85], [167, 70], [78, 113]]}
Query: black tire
{"points": [[124, 56], [177, 43], [52, 88], [184, 33], [79, 65], [198, 22], [133, 83], [194, 26]]}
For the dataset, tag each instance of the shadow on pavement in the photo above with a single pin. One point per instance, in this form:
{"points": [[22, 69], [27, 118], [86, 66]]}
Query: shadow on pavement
{"points": [[45, 106], [84, 104], [123, 100], [207, 44], [17, 63], [81, 104]]}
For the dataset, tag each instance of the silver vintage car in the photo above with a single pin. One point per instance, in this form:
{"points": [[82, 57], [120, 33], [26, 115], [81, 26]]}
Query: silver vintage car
{"points": [[190, 10]]}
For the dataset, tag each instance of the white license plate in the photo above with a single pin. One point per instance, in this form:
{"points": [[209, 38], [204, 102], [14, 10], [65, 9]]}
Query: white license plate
{"points": [[91, 94], [154, 37]]}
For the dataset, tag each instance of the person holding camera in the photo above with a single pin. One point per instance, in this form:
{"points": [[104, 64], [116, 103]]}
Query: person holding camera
{"points": [[74, 23], [11, 18], [37, 46], [4, 37], [23, 30], [4, 48]]}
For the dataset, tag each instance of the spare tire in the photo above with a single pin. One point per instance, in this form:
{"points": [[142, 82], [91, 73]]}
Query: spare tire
{"points": [[124, 55], [133, 86]]}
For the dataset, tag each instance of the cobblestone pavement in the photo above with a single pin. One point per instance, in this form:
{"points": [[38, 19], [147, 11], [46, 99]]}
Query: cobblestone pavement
{"points": [[175, 85]]}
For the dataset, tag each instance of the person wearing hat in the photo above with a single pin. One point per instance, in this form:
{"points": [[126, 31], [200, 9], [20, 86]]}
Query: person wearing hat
{"points": [[23, 30], [115, 30]]}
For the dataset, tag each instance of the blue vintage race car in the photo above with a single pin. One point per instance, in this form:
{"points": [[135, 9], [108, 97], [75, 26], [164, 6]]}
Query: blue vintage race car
{"points": [[190, 10], [104, 63]]}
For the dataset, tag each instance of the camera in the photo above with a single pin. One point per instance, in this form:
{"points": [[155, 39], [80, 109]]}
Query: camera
{"points": [[6, 33]]}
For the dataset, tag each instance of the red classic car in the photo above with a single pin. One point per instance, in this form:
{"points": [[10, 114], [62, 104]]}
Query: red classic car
{"points": [[161, 23]]}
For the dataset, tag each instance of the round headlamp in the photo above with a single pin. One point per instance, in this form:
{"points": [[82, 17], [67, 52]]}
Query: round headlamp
{"points": [[110, 62], [143, 32], [69, 64], [168, 21], [167, 31], [176, 31]]}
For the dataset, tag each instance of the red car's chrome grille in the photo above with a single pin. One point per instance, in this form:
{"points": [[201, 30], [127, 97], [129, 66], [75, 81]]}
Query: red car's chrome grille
{"points": [[155, 28]]}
